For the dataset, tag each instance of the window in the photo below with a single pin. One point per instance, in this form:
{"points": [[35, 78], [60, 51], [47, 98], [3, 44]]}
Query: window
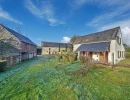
{"points": [[119, 54], [118, 40], [123, 54]]}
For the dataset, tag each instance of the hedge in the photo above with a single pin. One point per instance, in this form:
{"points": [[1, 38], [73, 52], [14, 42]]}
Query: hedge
{"points": [[3, 65]]}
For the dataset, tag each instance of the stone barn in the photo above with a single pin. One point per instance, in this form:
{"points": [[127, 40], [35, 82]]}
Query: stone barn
{"points": [[25, 47], [54, 47]]}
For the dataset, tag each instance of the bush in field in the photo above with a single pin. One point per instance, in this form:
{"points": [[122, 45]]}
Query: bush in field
{"points": [[76, 55], [65, 58], [87, 65], [58, 57], [82, 59], [3, 64], [72, 57], [128, 55]]}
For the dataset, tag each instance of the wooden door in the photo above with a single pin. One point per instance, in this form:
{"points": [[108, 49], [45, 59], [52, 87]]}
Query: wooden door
{"points": [[101, 57]]}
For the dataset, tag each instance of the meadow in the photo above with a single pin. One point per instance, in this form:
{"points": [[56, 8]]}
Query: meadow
{"points": [[43, 78]]}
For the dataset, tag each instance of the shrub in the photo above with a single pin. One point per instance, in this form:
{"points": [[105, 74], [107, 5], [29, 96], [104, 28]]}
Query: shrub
{"points": [[82, 59], [65, 57], [76, 55], [127, 55], [71, 58], [87, 64], [3, 64], [58, 57]]}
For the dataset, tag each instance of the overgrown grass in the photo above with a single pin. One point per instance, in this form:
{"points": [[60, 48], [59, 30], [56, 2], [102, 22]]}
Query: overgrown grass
{"points": [[40, 80], [125, 61], [128, 50]]}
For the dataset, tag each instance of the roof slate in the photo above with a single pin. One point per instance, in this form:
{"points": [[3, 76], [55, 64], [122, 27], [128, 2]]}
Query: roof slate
{"points": [[106, 35], [95, 47], [19, 36], [54, 44]]}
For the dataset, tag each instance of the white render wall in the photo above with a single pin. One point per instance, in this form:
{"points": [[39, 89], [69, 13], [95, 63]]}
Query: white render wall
{"points": [[114, 48], [96, 56], [76, 47]]}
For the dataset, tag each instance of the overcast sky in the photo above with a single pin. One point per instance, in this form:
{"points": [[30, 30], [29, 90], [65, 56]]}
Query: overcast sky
{"points": [[58, 20]]}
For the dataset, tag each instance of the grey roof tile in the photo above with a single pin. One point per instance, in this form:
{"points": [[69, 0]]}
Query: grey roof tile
{"points": [[19, 36], [106, 35], [95, 47], [54, 44]]}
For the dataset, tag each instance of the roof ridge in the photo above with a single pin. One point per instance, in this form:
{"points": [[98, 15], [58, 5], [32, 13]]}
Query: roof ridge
{"points": [[99, 31], [21, 37], [12, 30], [55, 42]]}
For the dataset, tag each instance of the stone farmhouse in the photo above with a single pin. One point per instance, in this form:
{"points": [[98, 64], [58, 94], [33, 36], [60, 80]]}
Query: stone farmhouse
{"points": [[105, 47], [22, 47], [53, 47]]}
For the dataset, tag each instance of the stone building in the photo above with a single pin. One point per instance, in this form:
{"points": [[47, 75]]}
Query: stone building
{"points": [[18, 42], [54, 47]]}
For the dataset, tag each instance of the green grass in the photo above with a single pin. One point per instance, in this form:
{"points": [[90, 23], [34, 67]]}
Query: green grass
{"points": [[38, 79], [125, 61], [128, 50]]}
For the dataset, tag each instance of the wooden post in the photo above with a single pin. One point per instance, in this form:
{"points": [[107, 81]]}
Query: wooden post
{"points": [[59, 47], [87, 54], [105, 55]]}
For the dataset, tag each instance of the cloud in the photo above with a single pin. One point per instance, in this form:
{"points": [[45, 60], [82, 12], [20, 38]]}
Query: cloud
{"points": [[101, 3], [7, 16], [65, 40], [126, 35], [43, 10], [125, 28], [122, 24], [112, 13]]}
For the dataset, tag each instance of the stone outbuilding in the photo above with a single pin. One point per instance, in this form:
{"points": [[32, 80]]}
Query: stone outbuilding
{"points": [[23, 48]]}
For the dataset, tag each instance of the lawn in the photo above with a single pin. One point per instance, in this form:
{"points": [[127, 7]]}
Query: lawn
{"points": [[38, 79]]}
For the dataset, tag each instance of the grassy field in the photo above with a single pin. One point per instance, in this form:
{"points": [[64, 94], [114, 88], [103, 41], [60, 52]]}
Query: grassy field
{"points": [[38, 79]]}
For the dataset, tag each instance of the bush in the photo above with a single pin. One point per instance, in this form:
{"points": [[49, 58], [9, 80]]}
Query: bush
{"points": [[3, 64], [127, 55], [82, 59], [71, 58], [58, 57], [65, 57], [87, 63]]}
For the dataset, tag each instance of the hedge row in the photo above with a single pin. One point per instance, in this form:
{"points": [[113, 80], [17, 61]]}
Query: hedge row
{"points": [[3, 65]]}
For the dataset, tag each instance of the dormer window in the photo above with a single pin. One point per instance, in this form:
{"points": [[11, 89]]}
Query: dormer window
{"points": [[118, 40]]}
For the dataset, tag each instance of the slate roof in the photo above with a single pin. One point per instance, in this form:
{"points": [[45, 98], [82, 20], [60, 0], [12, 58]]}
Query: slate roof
{"points": [[106, 35], [54, 44], [94, 47], [19, 36]]}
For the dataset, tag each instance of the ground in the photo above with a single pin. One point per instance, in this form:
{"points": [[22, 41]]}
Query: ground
{"points": [[43, 78]]}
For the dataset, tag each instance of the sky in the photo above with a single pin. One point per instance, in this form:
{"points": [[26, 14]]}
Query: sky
{"points": [[59, 20]]}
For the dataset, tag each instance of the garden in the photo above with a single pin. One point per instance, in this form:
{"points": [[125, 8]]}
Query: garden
{"points": [[47, 78]]}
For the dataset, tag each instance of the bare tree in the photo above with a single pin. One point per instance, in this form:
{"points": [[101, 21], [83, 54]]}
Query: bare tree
{"points": [[74, 38]]}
